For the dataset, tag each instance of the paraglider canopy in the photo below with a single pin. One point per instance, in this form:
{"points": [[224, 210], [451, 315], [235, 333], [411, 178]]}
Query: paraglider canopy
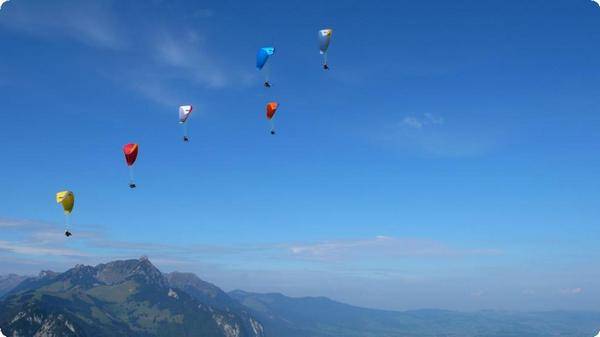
{"points": [[184, 113], [271, 109], [131, 152], [263, 55], [67, 200], [324, 39]]}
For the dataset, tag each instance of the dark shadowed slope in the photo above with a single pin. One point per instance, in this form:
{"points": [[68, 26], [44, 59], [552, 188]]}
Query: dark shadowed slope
{"points": [[213, 296]]}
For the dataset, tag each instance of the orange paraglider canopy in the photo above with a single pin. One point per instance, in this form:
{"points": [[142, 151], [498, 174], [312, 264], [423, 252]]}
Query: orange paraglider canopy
{"points": [[131, 152], [271, 109]]}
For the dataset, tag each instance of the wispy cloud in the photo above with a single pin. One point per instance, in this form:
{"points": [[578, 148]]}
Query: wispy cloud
{"points": [[433, 135], [176, 57], [89, 22], [382, 246], [188, 53], [154, 60], [14, 223], [377, 268], [571, 291], [32, 239], [478, 293], [425, 120], [412, 122], [27, 248]]}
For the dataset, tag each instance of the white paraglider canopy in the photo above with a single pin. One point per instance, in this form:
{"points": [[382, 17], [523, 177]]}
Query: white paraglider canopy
{"points": [[324, 39], [184, 113]]}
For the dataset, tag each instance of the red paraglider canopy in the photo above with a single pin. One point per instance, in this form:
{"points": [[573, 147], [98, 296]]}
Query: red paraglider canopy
{"points": [[131, 152], [271, 109]]}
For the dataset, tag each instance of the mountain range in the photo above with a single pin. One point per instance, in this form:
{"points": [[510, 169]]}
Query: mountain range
{"points": [[121, 299], [132, 298]]}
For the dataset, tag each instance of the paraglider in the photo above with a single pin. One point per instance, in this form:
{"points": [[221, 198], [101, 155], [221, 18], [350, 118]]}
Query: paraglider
{"points": [[271, 109], [184, 113], [67, 201], [324, 40], [261, 60], [131, 152]]}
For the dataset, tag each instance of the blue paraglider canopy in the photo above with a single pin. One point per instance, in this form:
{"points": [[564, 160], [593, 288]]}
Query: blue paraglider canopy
{"points": [[263, 55]]}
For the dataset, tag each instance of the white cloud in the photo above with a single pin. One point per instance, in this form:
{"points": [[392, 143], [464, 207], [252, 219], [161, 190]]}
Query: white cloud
{"points": [[24, 248], [418, 122], [5, 223], [152, 60], [432, 135], [189, 53], [412, 122], [176, 57], [89, 22], [382, 246], [38, 240], [478, 293], [433, 119], [571, 291]]}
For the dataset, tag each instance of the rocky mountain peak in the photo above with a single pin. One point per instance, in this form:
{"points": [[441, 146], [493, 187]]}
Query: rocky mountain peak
{"points": [[120, 271], [79, 276], [127, 298], [193, 284]]}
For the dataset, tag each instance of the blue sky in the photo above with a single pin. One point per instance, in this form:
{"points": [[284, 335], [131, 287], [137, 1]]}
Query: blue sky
{"points": [[449, 158]]}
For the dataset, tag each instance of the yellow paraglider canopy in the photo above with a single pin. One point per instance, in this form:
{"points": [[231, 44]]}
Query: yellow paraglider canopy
{"points": [[67, 200]]}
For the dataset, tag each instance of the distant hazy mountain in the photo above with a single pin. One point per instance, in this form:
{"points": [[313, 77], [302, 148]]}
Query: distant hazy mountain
{"points": [[322, 317], [134, 299], [27, 283], [9, 282], [118, 299]]}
